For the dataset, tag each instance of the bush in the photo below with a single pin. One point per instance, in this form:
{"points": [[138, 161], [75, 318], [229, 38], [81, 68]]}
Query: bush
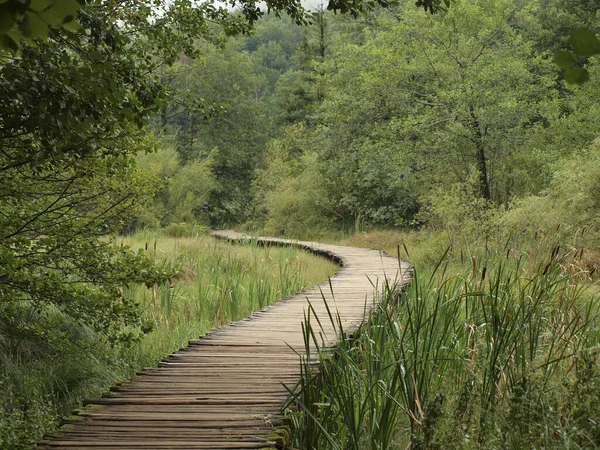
{"points": [[290, 193], [182, 229], [296, 208], [570, 207], [24, 419], [181, 190], [463, 214]]}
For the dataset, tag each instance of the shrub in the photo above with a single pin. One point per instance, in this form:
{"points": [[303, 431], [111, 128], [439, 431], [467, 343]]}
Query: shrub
{"points": [[569, 207]]}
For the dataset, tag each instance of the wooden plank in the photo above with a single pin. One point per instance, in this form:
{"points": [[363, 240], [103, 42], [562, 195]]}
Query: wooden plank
{"points": [[226, 389]]}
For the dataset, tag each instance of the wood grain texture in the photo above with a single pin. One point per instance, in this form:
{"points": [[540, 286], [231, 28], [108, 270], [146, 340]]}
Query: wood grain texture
{"points": [[226, 389]]}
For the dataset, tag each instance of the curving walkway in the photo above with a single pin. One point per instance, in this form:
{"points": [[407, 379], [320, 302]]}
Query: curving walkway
{"points": [[226, 389]]}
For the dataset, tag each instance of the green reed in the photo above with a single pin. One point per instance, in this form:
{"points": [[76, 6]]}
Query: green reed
{"points": [[220, 283], [489, 358]]}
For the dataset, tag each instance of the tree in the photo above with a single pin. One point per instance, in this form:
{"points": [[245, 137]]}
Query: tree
{"points": [[233, 135], [72, 110], [451, 96], [288, 190], [300, 90], [28, 20], [182, 189], [273, 47]]}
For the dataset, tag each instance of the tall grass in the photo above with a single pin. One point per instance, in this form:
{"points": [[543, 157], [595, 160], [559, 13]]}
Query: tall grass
{"points": [[503, 355], [42, 381], [221, 283]]}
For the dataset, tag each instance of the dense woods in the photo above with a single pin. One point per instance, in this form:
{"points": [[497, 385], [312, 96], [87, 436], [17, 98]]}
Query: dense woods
{"points": [[453, 124], [380, 121]]}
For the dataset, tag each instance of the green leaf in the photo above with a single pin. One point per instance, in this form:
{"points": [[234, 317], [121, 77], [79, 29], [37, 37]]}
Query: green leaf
{"points": [[33, 26], [7, 43], [39, 5], [577, 75], [73, 25], [584, 42], [61, 12], [7, 20], [564, 59]]}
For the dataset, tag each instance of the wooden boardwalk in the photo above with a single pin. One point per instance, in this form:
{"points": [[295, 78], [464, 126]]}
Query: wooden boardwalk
{"points": [[226, 389]]}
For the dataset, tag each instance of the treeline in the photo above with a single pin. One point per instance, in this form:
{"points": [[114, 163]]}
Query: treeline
{"points": [[399, 119]]}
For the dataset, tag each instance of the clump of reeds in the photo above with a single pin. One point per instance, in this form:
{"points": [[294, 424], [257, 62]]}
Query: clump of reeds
{"points": [[502, 355]]}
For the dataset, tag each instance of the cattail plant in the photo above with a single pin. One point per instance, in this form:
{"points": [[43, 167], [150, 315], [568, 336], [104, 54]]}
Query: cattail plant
{"points": [[486, 352]]}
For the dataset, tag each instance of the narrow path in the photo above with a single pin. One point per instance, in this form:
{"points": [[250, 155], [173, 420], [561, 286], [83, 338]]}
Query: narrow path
{"points": [[226, 389]]}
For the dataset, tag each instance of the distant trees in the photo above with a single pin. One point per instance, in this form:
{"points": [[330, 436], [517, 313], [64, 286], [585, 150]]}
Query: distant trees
{"points": [[412, 108]]}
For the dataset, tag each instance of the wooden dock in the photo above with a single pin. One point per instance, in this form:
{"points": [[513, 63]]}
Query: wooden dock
{"points": [[226, 389]]}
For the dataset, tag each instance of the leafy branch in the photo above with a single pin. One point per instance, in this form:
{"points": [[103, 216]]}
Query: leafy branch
{"points": [[585, 43]]}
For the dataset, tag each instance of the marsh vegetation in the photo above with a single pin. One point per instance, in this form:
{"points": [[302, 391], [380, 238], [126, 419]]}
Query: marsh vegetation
{"points": [[128, 127], [496, 350], [217, 283]]}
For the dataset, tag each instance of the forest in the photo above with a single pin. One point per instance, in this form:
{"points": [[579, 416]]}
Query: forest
{"points": [[453, 134]]}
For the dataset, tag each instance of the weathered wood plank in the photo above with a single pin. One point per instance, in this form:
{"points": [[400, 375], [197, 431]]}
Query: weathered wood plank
{"points": [[226, 389]]}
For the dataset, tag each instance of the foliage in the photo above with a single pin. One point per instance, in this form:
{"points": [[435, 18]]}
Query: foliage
{"points": [[70, 115], [72, 108], [585, 43], [457, 124], [392, 124], [298, 207], [290, 198], [30, 20], [190, 191], [301, 90], [216, 116], [460, 212], [23, 419], [466, 104], [183, 190], [272, 47], [568, 27], [570, 207]]}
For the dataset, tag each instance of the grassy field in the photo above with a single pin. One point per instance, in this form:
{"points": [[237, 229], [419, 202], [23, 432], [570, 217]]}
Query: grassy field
{"points": [[40, 382]]}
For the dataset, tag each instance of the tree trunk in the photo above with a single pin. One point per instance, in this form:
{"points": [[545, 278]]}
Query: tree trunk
{"points": [[484, 185], [322, 41]]}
